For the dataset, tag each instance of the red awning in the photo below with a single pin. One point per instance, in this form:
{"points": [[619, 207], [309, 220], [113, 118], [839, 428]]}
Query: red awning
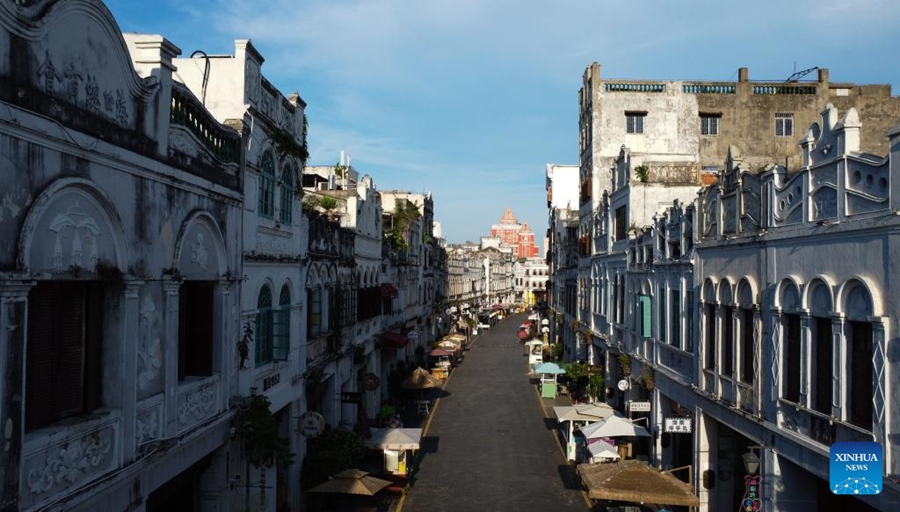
{"points": [[389, 290], [393, 340]]}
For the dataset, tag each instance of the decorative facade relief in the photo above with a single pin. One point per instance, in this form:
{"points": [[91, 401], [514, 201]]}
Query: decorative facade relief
{"points": [[83, 231], [197, 404], [150, 348], [199, 254], [251, 83], [824, 203], [72, 462], [48, 73], [148, 425]]}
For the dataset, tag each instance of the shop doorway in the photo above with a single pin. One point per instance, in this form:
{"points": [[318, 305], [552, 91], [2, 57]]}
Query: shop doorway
{"points": [[179, 493]]}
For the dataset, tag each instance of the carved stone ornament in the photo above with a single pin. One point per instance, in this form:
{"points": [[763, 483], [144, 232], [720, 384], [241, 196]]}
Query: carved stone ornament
{"points": [[71, 463], [150, 348], [199, 254], [197, 405], [83, 231], [147, 426]]}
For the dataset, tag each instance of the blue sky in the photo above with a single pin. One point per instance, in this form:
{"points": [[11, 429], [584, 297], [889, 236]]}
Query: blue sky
{"points": [[469, 99]]}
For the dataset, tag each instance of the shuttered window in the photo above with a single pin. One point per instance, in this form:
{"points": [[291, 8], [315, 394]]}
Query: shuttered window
{"points": [[263, 325], [63, 359], [646, 316], [314, 320], [281, 326]]}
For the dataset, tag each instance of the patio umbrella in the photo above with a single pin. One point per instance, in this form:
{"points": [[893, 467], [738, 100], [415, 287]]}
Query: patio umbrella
{"points": [[395, 438], [439, 353], [549, 368], [421, 379], [449, 345], [352, 481], [614, 426]]}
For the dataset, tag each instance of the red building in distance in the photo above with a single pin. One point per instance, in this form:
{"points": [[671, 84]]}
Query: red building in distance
{"points": [[520, 237]]}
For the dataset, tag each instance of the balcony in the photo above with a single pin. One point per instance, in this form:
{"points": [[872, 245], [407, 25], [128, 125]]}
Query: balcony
{"points": [[324, 237]]}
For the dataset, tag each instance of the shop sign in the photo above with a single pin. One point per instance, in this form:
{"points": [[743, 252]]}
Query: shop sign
{"points": [[751, 501], [311, 424], [371, 382], [351, 398], [639, 406], [676, 425]]}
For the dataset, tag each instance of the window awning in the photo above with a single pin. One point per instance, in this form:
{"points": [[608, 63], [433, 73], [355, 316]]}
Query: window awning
{"points": [[389, 290], [393, 340]]}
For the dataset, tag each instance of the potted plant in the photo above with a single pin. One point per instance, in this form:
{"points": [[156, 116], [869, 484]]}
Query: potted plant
{"points": [[643, 173], [625, 364], [647, 377]]}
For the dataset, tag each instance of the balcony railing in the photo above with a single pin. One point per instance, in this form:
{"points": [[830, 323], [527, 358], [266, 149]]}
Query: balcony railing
{"points": [[187, 111], [633, 87], [784, 89]]}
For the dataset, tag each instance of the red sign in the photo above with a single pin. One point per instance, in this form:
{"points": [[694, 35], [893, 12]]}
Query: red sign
{"points": [[371, 382]]}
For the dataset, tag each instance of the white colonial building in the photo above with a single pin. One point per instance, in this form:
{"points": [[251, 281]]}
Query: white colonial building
{"points": [[274, 238], [120, 289]]}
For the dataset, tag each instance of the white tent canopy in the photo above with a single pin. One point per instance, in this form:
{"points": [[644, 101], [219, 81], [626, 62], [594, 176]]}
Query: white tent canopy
{"points": [[583, 412], [614, 426], [395, 438], [601, 450]]}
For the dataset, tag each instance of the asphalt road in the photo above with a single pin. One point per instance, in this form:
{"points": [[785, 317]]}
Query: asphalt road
{"points": [[489, 447]]}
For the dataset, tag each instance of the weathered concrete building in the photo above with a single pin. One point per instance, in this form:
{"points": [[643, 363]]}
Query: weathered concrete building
{"points": [[761, 316], [121, 268], [274, 242]]}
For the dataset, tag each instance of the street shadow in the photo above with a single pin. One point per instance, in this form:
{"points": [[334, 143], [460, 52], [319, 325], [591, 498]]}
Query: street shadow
{"points": [[427, 446], [569, 477]]}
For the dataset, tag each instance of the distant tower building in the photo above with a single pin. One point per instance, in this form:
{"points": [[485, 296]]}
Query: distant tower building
{"points": [[517, 236]]}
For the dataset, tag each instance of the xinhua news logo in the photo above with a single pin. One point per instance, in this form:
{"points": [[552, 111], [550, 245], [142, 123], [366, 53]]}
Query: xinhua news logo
{"points": [[856, 468]]}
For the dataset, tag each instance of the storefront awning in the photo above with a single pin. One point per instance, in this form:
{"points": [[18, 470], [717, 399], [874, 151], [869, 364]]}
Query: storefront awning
{"points": [[393, 340], [636, 482], [389, 290]]}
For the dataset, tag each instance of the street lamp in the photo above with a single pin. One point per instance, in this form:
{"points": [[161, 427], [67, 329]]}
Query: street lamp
{"points": [[751, 461]]}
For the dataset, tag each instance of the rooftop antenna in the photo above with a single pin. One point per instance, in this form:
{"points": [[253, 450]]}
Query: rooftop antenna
{"points": [[800, 74]]}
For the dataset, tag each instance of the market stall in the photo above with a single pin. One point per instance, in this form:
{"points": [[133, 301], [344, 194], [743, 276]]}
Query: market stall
{"points": [[395, 442], [573, 417], [535, 352], [548, 373]]}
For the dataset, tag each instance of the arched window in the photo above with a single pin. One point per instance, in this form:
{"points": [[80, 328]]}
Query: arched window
{"points": [[281, 326], [287, 194], [791, 343], [267, 185], [861, 352], [263, 324], [273, 326]]}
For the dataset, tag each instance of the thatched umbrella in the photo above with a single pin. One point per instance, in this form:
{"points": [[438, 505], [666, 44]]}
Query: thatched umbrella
{"points": [[421, 379], [352, 481], [635, 482]]}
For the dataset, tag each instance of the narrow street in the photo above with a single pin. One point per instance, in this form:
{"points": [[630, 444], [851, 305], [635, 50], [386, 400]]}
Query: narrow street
{"points": [[489, 447]]}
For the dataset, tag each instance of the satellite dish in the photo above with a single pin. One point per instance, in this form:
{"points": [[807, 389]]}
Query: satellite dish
{"points": [[624, 385]]}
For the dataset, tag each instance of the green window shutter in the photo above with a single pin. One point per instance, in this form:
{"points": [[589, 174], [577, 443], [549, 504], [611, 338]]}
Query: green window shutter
{"points": [[263, 334], [281, 330], [646, 317]]}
